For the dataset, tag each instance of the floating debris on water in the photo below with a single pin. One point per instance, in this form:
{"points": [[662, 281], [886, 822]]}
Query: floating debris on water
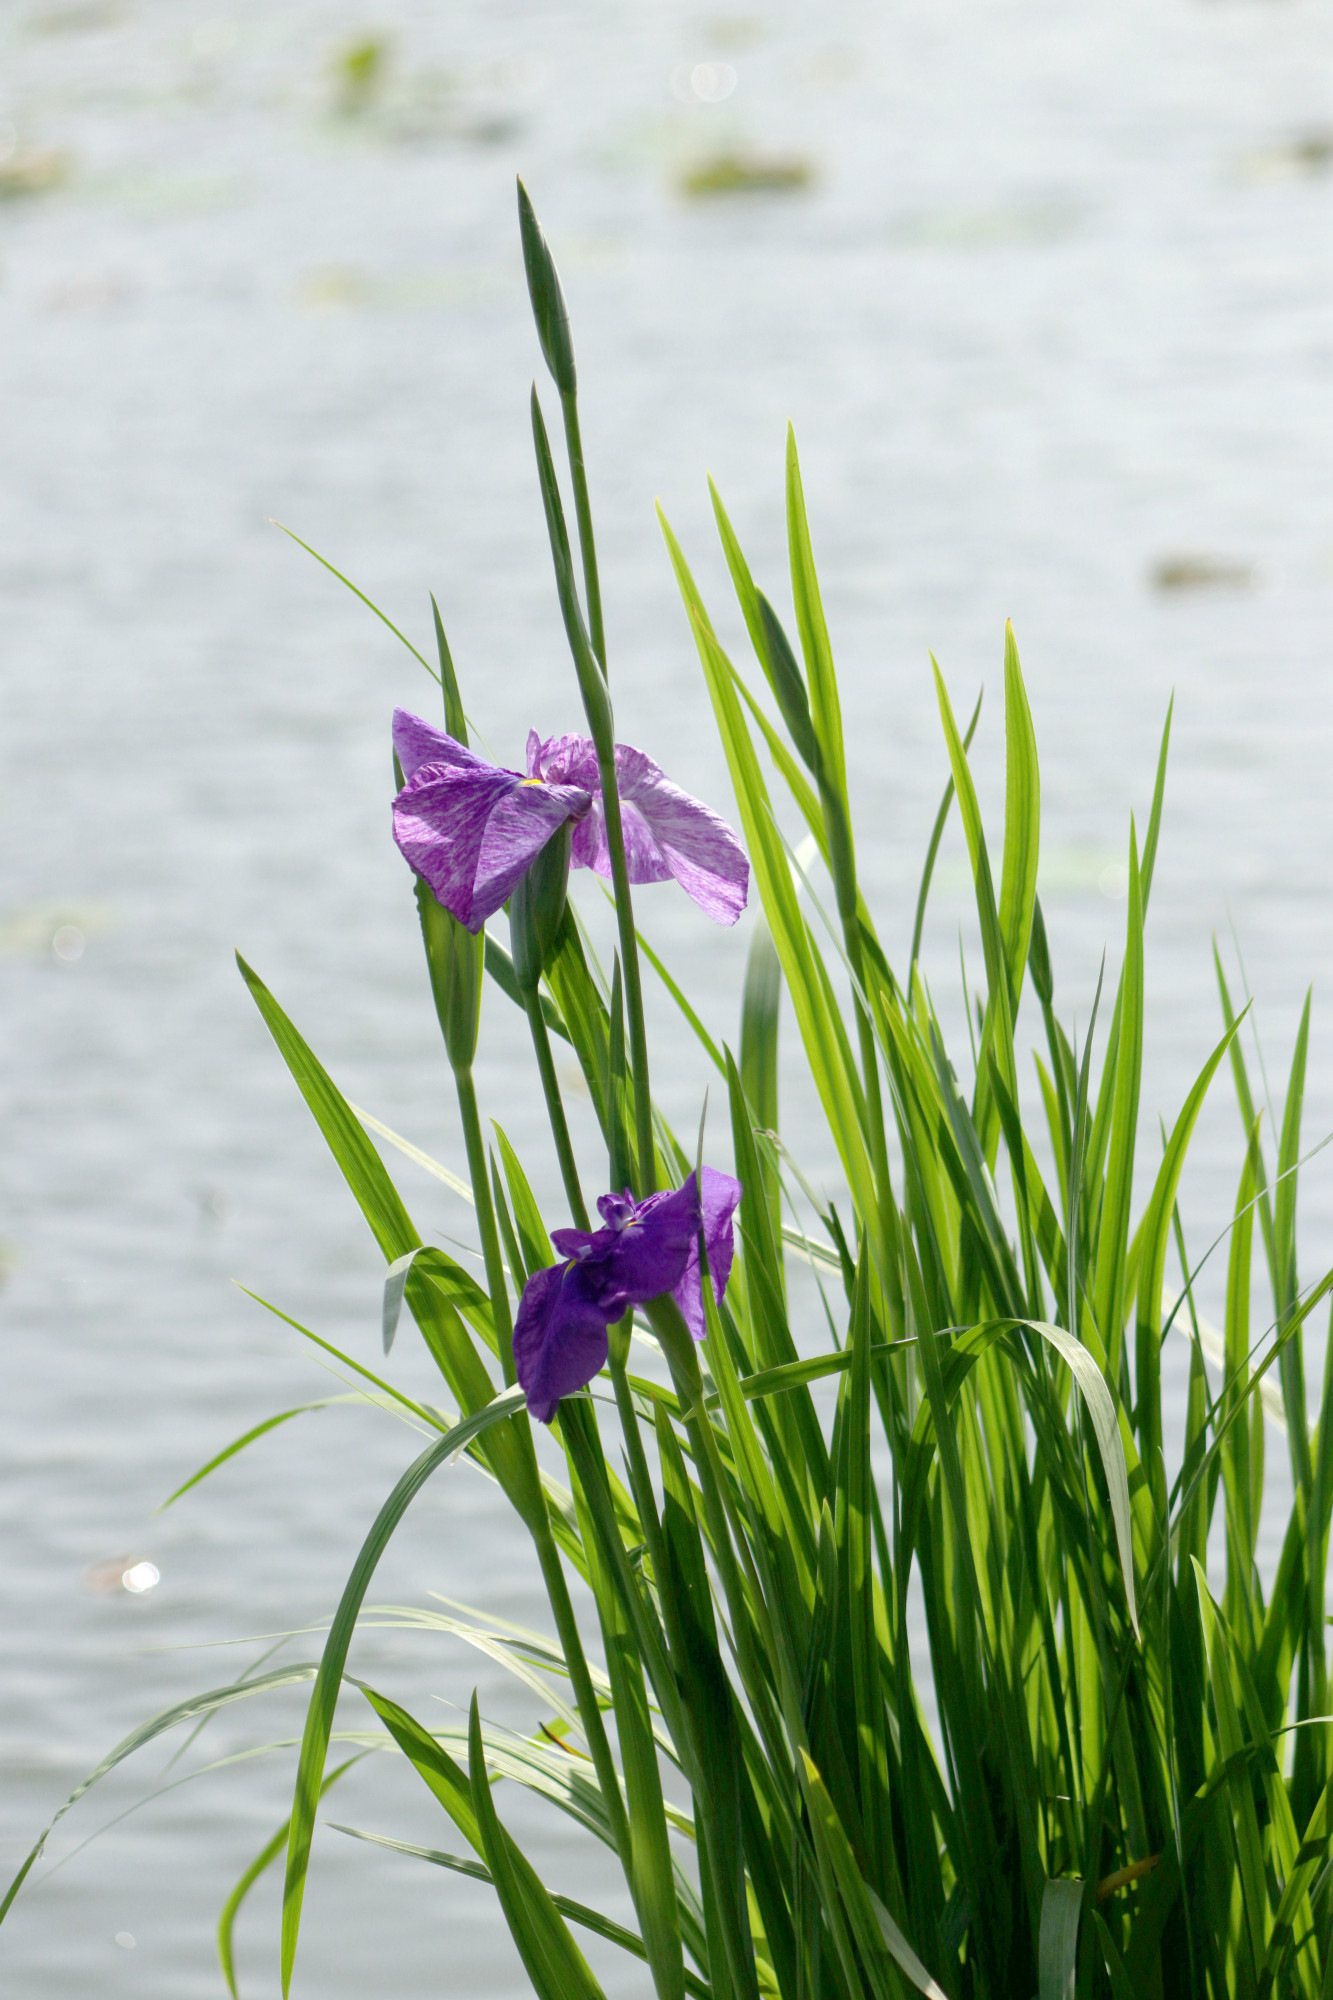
{"points": [[745, 173], [374, 99], [987, 228], [84, 18], [30, 170], [1203, 572], [359, 70], [343, 287], [736, 31], [1301, 158], [168, 194]]}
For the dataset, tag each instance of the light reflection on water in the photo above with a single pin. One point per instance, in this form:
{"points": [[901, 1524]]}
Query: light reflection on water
{"points": [[1046, 317]]}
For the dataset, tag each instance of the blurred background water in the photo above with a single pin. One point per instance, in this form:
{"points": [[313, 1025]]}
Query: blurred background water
{"points": [[1046, 295]]}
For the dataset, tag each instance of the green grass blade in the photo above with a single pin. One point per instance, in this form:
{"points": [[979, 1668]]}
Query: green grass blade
{"points": [[577, 1913], [970, 813], [1153, 1236], [746, 594], [634, 1644], [411, 1152], [364, 599], [1109, 1301], [248, 1437], [449, 1283], [455, 722], [837, 1085], [168, 1718], [1022, 818], [323, 1700], [536, 1244], [706, 1041], [1149, 860], [264, 1860], [878, 1938], [1292, 1368], [1109, 1428], [391, 1396], [554, 1963], [760, 1000], [936, 835], [825, 707], [1057, 1949], [1245, 1823], [500, 968], [360, 1163]]}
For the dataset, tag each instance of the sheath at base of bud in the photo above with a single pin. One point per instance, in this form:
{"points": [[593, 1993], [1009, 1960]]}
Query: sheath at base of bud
{"points": [[537, 906], [455, 958]]}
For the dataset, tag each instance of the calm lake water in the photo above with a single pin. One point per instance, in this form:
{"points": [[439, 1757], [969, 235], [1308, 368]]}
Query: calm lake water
{"points": [[1051, 319]]}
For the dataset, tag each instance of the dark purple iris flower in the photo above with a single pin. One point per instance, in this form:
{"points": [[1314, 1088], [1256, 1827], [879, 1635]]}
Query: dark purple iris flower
{"points": [[473, 829], [647, 1248]]}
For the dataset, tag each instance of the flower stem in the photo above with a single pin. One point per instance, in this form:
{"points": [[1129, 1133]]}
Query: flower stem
{"points": [[585, 1695], [629, 949], [629, 958], [490, 1237], [641, 1484], [553, 1575], [842, 867], [555, 1109], [569, 407]]}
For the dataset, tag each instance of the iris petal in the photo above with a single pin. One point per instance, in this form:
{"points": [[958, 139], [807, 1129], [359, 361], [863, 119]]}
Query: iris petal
{"points": [[472, 829], [647, 1248], [721, 1197], [667, 833], [440, 820], [519, 827], [416, 743], [559, 1338], [653, 1249]]}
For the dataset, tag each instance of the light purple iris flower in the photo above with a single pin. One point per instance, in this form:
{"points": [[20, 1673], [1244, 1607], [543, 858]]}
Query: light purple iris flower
{"points": [[646, 1248], [473, 829], [668, 834]]}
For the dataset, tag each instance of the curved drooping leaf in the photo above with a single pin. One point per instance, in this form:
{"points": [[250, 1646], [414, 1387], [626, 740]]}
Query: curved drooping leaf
{"points": [[168, 1718], [323, 1700]]}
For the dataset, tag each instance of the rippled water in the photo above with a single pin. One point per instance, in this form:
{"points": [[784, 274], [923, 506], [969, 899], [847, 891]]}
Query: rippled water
{"points": [[1051, 318]]}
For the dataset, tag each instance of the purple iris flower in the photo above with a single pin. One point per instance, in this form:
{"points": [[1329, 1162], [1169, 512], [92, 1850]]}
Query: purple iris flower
{"points": [[646, 1248], [668, 834], [473, 828]]}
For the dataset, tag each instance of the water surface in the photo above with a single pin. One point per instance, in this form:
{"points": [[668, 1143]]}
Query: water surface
{"points": [[1051, 313]]}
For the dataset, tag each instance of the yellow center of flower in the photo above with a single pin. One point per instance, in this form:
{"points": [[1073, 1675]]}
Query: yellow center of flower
{"points": [[533, 781]]}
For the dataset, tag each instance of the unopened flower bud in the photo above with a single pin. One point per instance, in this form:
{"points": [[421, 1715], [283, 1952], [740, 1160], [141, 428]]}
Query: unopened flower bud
{"points": [[548, 301], [537, 906], [455, 957]]}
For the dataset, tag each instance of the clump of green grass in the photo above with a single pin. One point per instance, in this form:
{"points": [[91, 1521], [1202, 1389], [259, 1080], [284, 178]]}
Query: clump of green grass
{"points": [[1117, 1781]]}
